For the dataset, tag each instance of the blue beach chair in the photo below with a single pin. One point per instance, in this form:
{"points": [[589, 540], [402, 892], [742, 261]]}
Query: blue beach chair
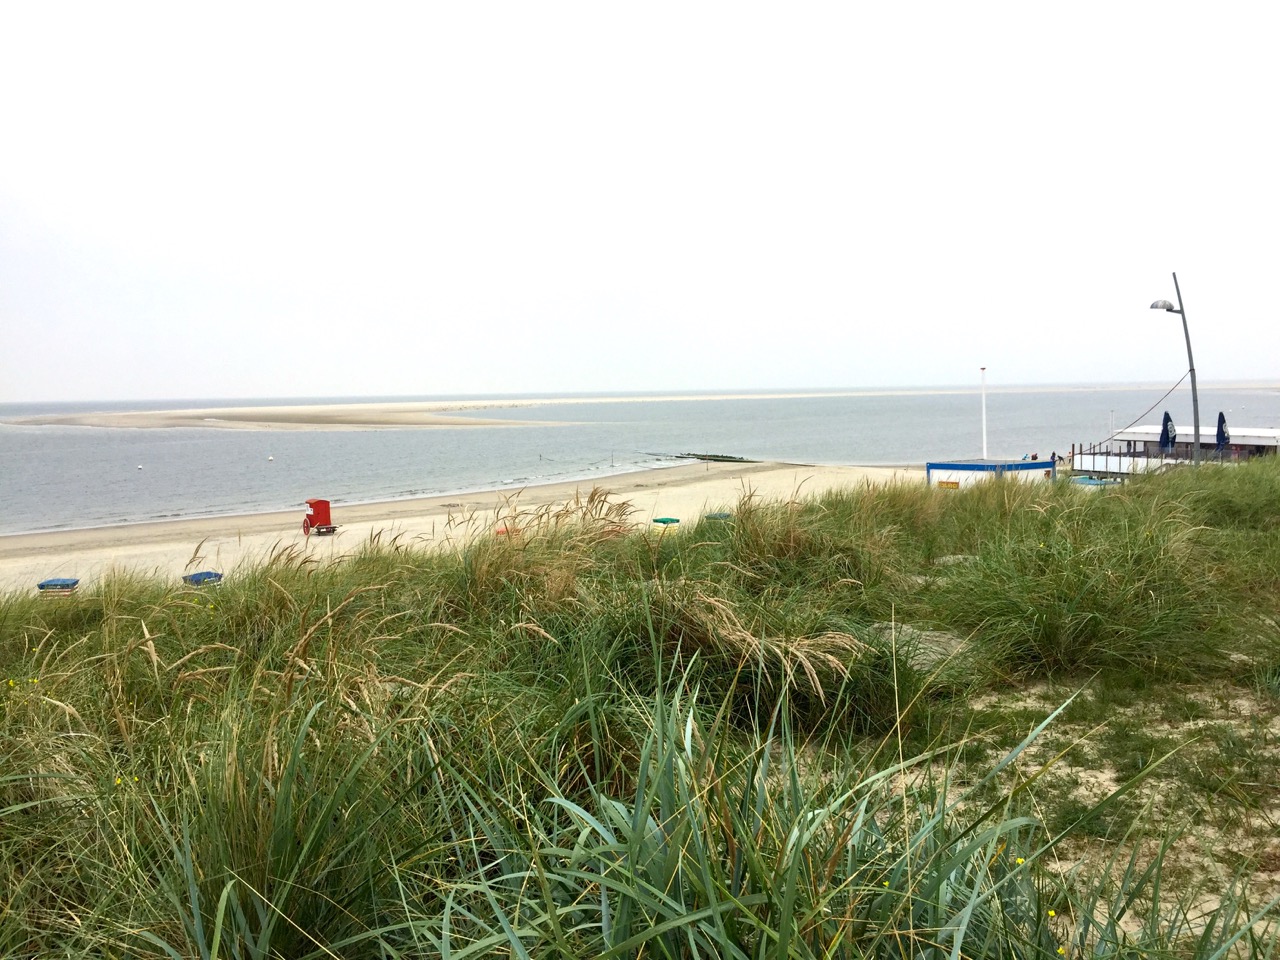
{"points": [[57, 586]]}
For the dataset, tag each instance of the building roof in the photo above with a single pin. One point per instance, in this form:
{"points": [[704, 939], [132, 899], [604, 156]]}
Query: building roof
{"points": [[1242, 436], [978, 462]]}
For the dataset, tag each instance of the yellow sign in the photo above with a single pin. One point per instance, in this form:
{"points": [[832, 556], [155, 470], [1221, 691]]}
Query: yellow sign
{"points": [[949, 484]]}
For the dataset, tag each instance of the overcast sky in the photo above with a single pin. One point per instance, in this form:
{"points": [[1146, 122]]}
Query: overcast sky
{"points": [[224, 201]]}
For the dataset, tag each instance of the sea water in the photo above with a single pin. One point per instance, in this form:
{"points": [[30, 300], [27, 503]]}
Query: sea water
{"points": [[62, 477]]}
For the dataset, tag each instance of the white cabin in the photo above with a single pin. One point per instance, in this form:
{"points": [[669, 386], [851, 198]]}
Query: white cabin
{"points": [[956, 474]]}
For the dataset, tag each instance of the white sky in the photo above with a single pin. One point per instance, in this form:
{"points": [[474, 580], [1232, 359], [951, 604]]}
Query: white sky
{"points": [[223, 200]]}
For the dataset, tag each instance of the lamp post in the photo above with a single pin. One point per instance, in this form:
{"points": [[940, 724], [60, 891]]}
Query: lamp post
{"points": [[1195, 397]]}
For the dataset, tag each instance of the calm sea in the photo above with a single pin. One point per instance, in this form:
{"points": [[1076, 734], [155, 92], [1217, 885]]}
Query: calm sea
{"points": [[60, 477]]}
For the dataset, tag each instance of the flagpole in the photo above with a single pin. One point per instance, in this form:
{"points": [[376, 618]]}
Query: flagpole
{"points": [[984, 412]]}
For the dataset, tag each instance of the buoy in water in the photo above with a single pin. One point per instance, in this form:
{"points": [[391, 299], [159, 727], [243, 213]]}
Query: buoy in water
{"points": [[269, 459], [139, 466]]}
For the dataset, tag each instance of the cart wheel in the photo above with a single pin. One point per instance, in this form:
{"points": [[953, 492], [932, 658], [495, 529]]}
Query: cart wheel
{"points": [[306, 526]]}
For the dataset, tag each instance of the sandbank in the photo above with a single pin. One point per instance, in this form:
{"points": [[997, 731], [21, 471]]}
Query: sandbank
{"points": [[339, 416], [171, 548], [345, 416], [440, 414]]}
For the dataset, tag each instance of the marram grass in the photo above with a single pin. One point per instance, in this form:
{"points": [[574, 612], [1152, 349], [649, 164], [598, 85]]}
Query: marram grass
{"points": [[575, 742]]}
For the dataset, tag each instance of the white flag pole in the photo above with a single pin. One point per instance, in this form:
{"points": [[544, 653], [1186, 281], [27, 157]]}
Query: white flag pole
{"points": [[984, 412]]}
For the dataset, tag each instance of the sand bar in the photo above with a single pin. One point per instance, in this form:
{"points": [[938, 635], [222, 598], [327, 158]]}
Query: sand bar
{"points": [[171, 548], [345, 416], [356, 416], [459, 412]]}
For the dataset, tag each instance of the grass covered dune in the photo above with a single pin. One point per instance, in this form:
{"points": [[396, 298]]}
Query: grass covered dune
{"points": [[1012, 721]]}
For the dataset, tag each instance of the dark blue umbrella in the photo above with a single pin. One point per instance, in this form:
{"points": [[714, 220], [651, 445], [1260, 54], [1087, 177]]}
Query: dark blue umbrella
{"points": [[1168, 434], [1224, 435]]}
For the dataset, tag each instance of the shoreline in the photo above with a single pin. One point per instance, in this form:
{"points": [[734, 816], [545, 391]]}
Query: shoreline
{"points": [[390, 503], [171, 548]]}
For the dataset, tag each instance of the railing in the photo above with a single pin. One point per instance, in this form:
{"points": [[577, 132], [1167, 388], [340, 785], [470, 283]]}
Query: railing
{"points": [[1114, 464], [1099, 460]]}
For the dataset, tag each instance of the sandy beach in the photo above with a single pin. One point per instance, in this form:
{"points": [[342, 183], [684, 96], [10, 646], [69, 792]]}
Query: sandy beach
{"points": [[171, 548]]}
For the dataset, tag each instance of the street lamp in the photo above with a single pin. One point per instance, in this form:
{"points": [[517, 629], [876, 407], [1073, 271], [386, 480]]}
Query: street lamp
{"points": [[1195, 397]]}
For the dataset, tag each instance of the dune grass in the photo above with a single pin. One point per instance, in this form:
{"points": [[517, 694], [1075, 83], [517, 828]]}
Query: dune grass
{"points": [[861, 725]]}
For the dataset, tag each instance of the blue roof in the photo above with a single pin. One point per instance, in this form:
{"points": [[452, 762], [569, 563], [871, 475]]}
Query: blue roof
{"points": [[990, 466], [58, 583]]}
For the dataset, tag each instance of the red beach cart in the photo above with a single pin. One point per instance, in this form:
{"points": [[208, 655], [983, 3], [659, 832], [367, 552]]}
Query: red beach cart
{"points": [[317, 519]]}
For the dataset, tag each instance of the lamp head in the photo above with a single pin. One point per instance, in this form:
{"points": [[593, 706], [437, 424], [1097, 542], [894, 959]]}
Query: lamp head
{"points": [[1164, 305]]}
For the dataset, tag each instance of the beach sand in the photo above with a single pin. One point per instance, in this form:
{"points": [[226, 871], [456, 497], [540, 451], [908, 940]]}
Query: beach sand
{"points": [[171, 548]]}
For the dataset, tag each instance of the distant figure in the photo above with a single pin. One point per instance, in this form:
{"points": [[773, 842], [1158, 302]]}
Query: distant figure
{"points": [[1035, 456], [1054, 456]]}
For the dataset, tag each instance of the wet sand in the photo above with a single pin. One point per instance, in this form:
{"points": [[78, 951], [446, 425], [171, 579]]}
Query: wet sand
{"points": [[171, 548]]}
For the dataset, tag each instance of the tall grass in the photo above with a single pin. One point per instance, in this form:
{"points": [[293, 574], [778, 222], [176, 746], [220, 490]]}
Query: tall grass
{"points": [[570, 741], [1087, 582]]}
